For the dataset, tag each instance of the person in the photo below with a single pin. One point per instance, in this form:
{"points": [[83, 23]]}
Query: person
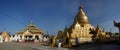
{"points": [[59, 44]]}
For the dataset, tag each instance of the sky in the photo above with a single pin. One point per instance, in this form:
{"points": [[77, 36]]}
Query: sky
{"points": [[51, 15]]}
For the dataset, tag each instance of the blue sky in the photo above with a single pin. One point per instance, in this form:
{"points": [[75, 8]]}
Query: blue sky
{"points": [[51, 15]]}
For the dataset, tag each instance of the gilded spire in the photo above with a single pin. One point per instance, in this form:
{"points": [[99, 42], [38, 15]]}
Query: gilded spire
{"points": [[81, 10], [31, 23], [80, 7], [81, 17], [31, 26]]}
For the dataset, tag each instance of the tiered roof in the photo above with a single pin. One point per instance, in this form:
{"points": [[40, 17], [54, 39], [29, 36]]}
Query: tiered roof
{"points": [[32, 28]]}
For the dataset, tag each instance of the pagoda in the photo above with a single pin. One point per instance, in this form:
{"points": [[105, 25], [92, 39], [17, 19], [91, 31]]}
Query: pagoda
{"points": [[80, 29], [30, 34]]}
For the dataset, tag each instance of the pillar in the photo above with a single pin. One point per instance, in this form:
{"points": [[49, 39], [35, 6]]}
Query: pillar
{"points": [[119, 30]]}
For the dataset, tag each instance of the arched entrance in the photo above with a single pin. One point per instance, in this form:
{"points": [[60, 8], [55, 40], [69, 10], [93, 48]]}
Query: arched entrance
{"points": [[28, 38], [37, 37]]}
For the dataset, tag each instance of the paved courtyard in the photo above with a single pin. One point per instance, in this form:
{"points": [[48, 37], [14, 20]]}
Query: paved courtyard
{"points": [[37, 46], [26, 46]]}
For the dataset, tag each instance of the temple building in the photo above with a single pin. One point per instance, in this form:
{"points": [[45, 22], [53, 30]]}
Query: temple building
{"points": [[14, 38], [80, 29], [4, 37], [30, 34]]}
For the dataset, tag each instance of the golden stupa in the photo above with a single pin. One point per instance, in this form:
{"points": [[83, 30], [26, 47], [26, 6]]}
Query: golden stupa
{"points": [[80, 28]]}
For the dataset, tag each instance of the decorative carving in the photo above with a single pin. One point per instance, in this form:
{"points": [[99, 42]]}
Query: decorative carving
{"points": [[116, 24]]}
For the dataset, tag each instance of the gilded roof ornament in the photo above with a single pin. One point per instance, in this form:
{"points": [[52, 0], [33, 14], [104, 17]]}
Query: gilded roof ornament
{"points": [[81, 17], [31, 23]]}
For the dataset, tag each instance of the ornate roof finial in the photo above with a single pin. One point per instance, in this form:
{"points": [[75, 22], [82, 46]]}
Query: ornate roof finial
{"points": [[98, 27], [80, 7], [31, 23], [59, 29]]}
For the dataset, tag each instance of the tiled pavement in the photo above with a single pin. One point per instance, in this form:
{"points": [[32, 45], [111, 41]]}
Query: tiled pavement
{"points": [[38, 46], [26, 46]]}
